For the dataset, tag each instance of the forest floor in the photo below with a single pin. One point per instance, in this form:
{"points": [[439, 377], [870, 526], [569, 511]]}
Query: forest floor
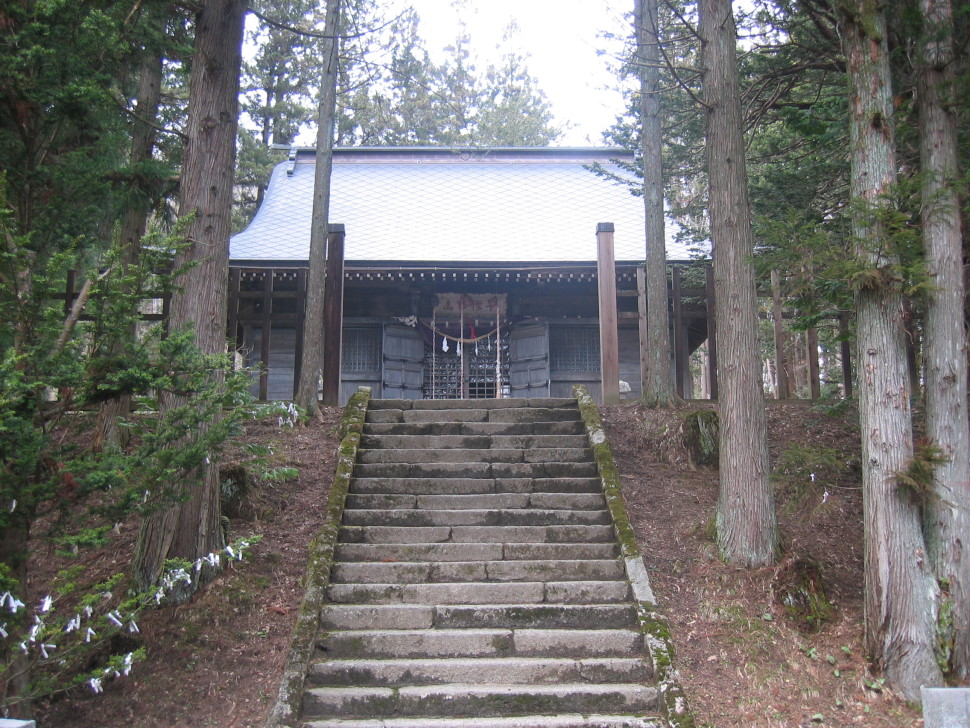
{"points": [[744, 661]]}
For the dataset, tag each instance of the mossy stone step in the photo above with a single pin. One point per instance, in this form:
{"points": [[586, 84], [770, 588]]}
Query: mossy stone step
{"points": [[551, 469], [471, 616], [478, 534], [510, 592], [474, 517], [351, 552], [562, 720], [462, 699], [562, 501], [560, 427], [526, 670], [422, 572], [474, 486]]}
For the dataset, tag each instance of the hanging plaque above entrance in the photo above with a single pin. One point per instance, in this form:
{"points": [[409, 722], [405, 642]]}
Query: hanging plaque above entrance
{"points": [[483, 305]]}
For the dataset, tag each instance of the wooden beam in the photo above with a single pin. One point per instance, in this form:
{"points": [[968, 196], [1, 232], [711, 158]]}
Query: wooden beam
{"points": [[232, 330], [642, 320], [333, 314], [609, 337]]}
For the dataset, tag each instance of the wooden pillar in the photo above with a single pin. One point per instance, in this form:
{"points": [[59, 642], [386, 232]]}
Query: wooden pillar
{"points": [[681, 348], [301, 276], [784, 388], [642, 319], [232, 329], [711, 330], [333, 314], [267, 333], [814, 378], [609, 336], [846, 354]]}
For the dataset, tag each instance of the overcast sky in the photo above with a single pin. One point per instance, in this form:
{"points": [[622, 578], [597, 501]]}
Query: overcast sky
{"points": [[563, 40]]}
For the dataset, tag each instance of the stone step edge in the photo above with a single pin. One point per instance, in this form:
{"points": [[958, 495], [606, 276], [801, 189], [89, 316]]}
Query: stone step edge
{"points": [[562, 720]]}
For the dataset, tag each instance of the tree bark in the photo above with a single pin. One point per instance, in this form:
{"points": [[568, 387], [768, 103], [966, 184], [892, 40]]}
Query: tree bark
{"points": [[900, 591], [192, 529], [746, 523], [659, 388], [312, 362], [947, 515], [133, 224]]}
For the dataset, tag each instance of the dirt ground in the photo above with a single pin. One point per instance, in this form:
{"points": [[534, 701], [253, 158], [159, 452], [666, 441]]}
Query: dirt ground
{"points": [[744, 661]]}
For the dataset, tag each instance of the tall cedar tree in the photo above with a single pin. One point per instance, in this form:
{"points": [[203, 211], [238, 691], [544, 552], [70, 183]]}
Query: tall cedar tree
{"points": [[747, 531], [658, 377], [191, 529], [310, 366], [947, 517], [900, 589]]}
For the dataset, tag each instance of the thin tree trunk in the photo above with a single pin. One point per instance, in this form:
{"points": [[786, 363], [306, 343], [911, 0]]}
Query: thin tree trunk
{"points": [[947, 516], [192, 529], [746, 522], [900, 591], [134, 222], [312, 362], [659, 375]]}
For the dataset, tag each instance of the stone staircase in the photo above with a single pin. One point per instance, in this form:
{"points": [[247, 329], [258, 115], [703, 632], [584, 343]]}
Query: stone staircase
{"points": [[477, 581]]}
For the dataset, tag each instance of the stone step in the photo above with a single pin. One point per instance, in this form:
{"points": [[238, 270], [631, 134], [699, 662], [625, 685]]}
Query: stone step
{"points": [[476, 470], [478, 534], [564, 427], [476, 455], [510, 592], [472, 442], [562, 720], [350, 552], [462, 699], [423, 643], [474, 517], [472, 486], [523, 670], [435, 572], [462, 616], [559, 501], [475, 413]]}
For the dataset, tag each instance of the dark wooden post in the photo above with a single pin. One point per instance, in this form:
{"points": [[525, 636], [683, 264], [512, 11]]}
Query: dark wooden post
{"points": [[333, 314], [266, 333], [846, 354], [609, 337], [232, 330], [784, 388], [301, 278], [711, 330], [642, 319], [69, 292], [681, 365], [814, 376]]}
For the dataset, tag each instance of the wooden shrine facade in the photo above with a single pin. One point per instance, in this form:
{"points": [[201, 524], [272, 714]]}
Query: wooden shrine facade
{"points": [[459, 330]]}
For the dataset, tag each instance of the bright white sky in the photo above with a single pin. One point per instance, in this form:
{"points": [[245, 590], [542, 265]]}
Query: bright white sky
{"points": [[562, 39]]}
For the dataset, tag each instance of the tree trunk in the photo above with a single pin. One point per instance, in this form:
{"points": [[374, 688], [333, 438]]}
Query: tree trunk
{"points": [[947, 516], [312, 362], [746, 523], [659, 376], [133, 224], [192, 529], [900, 591]]}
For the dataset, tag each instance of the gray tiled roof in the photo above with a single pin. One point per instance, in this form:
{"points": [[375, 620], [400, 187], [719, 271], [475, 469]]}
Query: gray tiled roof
{"points": [[514, 205]]}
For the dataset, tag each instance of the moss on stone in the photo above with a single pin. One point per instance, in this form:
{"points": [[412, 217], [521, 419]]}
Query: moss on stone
{"points": [[656, 632], [286, 711]]}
